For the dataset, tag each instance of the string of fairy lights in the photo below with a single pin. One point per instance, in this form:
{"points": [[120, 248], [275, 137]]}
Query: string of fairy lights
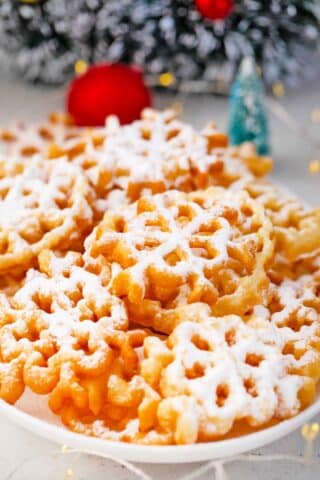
{"points": [[218, 469]]}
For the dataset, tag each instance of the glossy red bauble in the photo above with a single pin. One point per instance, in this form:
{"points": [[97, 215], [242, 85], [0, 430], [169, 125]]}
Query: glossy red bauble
{"points": [[215, 9], [107, 89]]}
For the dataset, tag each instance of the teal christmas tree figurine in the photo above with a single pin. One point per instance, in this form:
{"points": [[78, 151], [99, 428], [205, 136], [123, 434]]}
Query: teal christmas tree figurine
{"points": [[248, 120]]}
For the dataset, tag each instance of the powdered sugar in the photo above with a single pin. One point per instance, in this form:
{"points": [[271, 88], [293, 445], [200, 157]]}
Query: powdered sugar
{"points": [[190, 238], [70, 299]]}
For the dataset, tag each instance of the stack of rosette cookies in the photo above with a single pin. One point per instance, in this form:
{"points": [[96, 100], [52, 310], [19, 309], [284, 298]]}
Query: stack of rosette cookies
{"points": [[155, 287]]}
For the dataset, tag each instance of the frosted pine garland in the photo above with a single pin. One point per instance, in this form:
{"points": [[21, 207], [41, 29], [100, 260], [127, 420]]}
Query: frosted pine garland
{"points": [[47, 37]]}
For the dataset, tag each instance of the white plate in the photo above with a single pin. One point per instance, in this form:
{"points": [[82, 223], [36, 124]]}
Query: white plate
{"points": [[33, 414]]}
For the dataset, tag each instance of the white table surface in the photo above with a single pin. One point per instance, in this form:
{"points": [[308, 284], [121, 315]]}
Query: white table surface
{"points": [[292, 154]]}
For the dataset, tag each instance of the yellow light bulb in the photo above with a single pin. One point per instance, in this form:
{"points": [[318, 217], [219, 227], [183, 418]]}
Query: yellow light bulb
{"points": [[315, 115], [80, 67], [310, 431], [69, 473], [278, 89], [167, 79], [314, 167]]}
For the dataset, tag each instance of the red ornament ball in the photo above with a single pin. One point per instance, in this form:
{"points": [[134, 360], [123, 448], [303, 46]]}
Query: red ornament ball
{"points": [[215, 9], [107, 89]]}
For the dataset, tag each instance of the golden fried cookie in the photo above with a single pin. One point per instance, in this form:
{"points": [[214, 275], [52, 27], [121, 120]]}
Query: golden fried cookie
{"points": [[174, 249], [22, 140], [62, 333], [155, 154], [212, 373], [129, 414], [45, 205], [219, 371], [297, 228]]}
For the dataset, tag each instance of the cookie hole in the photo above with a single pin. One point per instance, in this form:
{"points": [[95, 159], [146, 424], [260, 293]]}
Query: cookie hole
{"points": [[275, 277], [253, 359], [314, 302], [119, 225], [4, 192], [196, 371], [67, 187], [4, 245], [106, 311], [45, 228], [172, 133], [246, 210], [199, 201], [211, 252], [242, 258], [99, 309], [42, 301], [26, 191], [230, 214], [98, 140], [31, 235], [28, 151], [185, 213], [76, 150], [173, 258], [33, 204], [76, 295], [209, 228], [62, 202], [254, 227], [88, 163], [149, 244], [288, 349], [82, 344], [202, 248], [145, 204], [33, 334], [291, 349], [156, 223], [216, 167], [250, 387], [8, 136], [45, 133], [66, 273], [222, 394], [226, 282], [200, 342], [145, 133], [275, 306], [296, 323], [253, 194], [230, 337], [201, 253]]}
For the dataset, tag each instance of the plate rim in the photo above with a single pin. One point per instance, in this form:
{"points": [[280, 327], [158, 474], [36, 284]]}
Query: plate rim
{"points": [[161, 454]]}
